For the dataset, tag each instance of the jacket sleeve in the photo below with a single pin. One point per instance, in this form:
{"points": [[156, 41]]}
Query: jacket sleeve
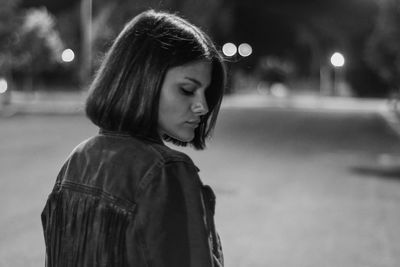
{"points": [[171, 219]]}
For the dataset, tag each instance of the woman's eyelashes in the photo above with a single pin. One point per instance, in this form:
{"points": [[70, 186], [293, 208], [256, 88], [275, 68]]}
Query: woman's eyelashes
{"points": [[187, 91]]}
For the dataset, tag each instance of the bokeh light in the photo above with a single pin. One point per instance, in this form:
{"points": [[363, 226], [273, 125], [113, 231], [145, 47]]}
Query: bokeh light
{"points": [[229, 49], [245, 50], [68, 55], [337, 60], [3, 85], [279, 90]]}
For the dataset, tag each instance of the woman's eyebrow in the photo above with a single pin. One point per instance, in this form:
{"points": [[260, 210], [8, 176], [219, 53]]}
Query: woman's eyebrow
{"points": [[198, 83]]}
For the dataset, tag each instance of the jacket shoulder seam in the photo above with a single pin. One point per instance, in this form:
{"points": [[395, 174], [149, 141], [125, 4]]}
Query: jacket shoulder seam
{"points": [[168, 154], [148, 178]]}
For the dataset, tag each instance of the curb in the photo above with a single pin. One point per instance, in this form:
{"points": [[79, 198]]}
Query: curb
{"points": [[44, 103], [14, 110], [318, 104], [393, 120], [306, 102], [75, 106]]}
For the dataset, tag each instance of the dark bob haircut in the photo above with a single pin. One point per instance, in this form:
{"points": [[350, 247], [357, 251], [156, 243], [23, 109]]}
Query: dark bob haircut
{"points": [[124, 95]]}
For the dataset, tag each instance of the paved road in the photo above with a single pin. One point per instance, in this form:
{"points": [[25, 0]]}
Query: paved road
{"points": [[294, 187], [306, 188]]}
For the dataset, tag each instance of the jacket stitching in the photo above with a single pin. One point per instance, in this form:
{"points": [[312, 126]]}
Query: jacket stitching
{"points": [[142, 244], [147, 177], [123, 203]]}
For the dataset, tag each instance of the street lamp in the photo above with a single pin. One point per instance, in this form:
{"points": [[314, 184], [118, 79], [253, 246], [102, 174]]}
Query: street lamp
{"points": [[68, 55], [3, 85], [245, 50], [337, 61], [229, 49], [4, 92], [235, 54]]}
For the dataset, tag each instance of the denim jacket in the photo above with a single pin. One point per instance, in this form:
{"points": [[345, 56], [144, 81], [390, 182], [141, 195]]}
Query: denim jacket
{"points": [[125, 201]]}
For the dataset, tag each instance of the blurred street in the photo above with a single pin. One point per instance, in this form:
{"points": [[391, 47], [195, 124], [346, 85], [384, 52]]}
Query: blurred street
{"points": [[296, 186]]}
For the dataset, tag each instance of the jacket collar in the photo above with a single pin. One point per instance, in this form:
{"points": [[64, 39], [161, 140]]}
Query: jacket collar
{"points": [[128, 134]]}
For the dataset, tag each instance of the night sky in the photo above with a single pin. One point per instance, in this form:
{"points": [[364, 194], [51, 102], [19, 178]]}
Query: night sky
{"points": [[275, 22]]}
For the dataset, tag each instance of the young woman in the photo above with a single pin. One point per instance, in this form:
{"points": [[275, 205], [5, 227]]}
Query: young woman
{"points": [[123, 198]]}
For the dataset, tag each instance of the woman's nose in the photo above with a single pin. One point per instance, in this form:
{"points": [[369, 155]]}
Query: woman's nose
{"points": [[200, 108]]}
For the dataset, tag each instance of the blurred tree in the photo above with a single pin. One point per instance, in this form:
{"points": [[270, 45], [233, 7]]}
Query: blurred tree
{"points": [[383, 47], [54, 7], [39, 45]]}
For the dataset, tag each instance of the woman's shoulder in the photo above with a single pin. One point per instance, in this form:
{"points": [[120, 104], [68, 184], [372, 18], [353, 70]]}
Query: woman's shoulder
{"points": [[121, 165], [174, 168], [119, 145], [169, 155]]}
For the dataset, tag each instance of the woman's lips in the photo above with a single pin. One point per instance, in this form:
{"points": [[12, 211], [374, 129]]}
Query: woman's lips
{"points": [[193, 124]]}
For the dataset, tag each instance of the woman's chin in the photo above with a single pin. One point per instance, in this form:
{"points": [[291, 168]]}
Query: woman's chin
{"points": [[182, 134], [183, 137]]}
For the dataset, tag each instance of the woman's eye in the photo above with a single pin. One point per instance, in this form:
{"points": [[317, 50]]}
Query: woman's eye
{"points": [[187, 91]]}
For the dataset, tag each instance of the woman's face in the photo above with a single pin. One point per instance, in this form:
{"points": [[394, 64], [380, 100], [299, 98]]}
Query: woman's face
{"points": [[182, 99]]}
